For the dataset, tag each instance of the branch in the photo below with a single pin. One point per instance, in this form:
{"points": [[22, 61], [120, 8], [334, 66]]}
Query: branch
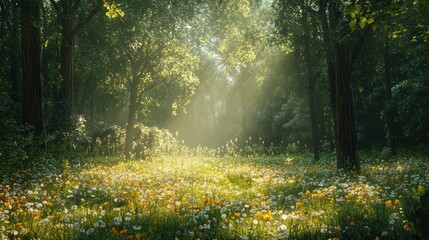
{"points": [[86, 19]]}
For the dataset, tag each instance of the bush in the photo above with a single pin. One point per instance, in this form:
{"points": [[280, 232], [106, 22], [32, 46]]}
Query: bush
{"points": [[151, 142], [107, 139]]}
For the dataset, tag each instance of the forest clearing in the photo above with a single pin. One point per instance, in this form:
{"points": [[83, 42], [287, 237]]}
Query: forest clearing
{"points": [[280, 197], [214, 119]]}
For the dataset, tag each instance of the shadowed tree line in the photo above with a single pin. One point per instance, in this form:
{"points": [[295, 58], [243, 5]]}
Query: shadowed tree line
{"points": [[316, 75]]}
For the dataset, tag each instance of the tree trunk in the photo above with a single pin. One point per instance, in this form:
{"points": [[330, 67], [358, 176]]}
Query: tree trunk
{"points": [[346, 131], [388, 116], [32, 107], [328, 43], [14, 41], [311, 90], [66, 69], [129, 139]]}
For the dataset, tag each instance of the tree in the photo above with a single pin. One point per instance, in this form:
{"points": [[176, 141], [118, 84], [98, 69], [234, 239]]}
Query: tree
{"points": [[155, 60], [66, 12], [32, 105], [301, 31]]}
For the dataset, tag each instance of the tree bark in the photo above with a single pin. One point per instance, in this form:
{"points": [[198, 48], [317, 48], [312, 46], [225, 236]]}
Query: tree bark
{"points": [[311, 91], [346, 130], [66, 69], [32, 107], [328, 43], [129, 139], [13, 50], [388, 118]]}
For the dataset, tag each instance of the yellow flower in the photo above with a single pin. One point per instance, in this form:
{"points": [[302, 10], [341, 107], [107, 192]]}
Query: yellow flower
{"points": [[268, 217], [299, 204]]}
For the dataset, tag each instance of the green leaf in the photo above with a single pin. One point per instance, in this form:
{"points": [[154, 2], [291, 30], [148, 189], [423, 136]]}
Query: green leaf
{"points": [[362, 24], [352, 25], [370, 20], [358, 8]]}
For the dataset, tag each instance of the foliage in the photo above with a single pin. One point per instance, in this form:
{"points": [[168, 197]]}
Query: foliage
{"points": [[152, 142], [107, 140]]}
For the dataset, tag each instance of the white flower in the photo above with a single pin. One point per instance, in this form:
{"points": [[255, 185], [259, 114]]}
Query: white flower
{"points": [[283, 227], [384, 233], [117, 220], [89, 231], [255, 221]]}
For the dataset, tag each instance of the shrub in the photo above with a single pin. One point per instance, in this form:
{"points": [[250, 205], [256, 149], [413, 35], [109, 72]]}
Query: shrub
{"points": [[150, 142]]}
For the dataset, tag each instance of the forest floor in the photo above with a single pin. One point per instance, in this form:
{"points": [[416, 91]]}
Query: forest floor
{"points": [[281, 197]]}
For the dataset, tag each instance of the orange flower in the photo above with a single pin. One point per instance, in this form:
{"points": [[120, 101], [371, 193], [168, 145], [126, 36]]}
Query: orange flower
{"points": [[388, 203], [139, 236], [123, 232], [337, 228], [406, 226], [36, 214], [299, 204]]}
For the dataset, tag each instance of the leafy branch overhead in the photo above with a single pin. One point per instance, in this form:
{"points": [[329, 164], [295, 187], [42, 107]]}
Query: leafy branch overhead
{"points": [[113, 9]]}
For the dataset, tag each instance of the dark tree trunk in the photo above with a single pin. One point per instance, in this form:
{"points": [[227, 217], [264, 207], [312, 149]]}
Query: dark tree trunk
{"points": [[32, 110], [346, 131], [388, 118], [311, 92], [14, 65], [328, 44], [129, 139], [66, 54]]}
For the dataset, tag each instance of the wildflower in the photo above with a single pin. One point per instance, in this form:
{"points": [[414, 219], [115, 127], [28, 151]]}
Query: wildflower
{"points": [[89, 231], [388, 203], [406, 227], [139, 236], [283, 227], [268, 217], [299, 204], [117, 220], [123, 232]]}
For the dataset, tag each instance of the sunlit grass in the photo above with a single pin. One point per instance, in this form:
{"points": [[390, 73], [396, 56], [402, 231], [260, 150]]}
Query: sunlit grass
{"points": [[282, 197]]}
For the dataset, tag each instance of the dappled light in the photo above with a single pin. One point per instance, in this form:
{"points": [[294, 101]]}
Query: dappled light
{"points": [[214, 119]]}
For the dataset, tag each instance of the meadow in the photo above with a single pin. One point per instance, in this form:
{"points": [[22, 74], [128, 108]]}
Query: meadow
{"points": [[201, 197]]}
